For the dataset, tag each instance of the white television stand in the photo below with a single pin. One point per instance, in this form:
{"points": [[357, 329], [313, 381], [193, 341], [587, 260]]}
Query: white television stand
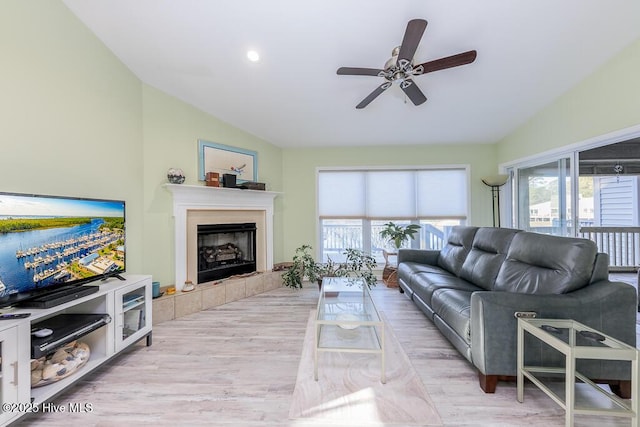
{"points": [[128, 302]]}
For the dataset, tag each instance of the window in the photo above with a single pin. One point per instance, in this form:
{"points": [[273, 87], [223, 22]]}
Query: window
{"points": [[544, 197], [354, 205]]}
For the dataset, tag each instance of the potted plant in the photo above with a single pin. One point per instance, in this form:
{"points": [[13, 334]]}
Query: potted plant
{"points": [[360, 264], [330, 269], [303, 266], [357, 264], [398, 234]]}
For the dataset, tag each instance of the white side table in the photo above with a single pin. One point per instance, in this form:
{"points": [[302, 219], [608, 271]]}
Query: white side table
{"points": [[577, 341]]}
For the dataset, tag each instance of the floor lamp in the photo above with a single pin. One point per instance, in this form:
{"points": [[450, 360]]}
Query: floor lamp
{"points": [[495, 182]]}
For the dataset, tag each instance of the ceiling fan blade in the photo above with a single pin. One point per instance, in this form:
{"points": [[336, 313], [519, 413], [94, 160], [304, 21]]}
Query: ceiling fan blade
{"points": [[412, 36], [373, 95], [413, 91], [354, 71], [448, 62]]}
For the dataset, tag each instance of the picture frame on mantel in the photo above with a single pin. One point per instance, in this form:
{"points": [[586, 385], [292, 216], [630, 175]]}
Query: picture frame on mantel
{"points": [[225, 159]]}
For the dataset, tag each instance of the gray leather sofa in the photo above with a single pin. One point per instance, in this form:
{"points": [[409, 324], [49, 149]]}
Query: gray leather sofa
{"points": [[473, 287]]}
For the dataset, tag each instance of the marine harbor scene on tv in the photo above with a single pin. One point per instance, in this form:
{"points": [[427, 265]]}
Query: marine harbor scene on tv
{"points": [[46, 240]]}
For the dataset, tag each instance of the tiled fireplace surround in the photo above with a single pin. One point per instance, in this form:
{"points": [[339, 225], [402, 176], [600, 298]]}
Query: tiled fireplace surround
{"points": [[193, 205]]}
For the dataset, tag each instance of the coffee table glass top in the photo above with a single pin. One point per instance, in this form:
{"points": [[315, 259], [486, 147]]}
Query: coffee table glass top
{"points": [[346, 299], [346, 315]]}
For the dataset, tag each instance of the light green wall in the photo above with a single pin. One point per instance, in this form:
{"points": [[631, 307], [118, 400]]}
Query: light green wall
{"points": [[606, 101], [171, 132], [71, 113], [77, 122], [299, 168]]}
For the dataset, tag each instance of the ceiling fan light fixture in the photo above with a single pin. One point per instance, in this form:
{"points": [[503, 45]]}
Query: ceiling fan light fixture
{"points": [[391, 63]]}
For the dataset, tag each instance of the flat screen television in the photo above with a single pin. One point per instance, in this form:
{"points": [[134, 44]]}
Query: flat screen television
{"points": [[47, 242]]}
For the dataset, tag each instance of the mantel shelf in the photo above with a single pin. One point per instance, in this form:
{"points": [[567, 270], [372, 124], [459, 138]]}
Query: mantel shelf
{"points": [[182, 188]]}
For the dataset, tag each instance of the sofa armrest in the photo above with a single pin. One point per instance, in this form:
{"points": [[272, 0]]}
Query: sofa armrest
{"points": [[606, 306], [422, 256]]}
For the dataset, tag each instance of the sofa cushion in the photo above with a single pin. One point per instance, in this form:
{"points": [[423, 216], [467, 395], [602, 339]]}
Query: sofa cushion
{"points": [[458, 245], [425, 284], [453, 306], [488, 251], [407, 269], [543, 264]]}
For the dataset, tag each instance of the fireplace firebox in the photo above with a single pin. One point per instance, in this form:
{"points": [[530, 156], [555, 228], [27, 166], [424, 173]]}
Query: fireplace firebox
{"points": [[225, 250]]}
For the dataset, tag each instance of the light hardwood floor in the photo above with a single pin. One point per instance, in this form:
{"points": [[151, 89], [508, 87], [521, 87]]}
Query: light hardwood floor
{"points": [[236, 365]]}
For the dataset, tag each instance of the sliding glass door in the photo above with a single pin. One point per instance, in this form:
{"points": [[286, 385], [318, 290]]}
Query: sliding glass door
{"points": [[591, 192], [544, 198]]}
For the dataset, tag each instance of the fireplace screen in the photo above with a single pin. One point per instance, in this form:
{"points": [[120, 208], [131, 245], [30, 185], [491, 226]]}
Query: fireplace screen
{"points": [[225, 250]]}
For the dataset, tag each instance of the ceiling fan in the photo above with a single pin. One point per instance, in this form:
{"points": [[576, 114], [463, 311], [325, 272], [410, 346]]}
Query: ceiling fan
{"points": [[401, 69]]}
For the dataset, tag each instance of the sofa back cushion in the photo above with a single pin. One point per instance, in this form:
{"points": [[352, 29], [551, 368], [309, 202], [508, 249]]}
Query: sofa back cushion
{"points": [[458, 245], [488, 252], [543, 264]]}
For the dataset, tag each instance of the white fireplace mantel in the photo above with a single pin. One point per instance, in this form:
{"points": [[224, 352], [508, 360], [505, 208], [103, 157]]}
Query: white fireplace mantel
{"points": [[201, 198]]}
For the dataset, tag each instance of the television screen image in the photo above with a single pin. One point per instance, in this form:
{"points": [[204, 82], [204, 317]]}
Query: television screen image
{"points": [[50, 241]]}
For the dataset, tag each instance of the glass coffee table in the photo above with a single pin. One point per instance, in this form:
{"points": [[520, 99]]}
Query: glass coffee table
{"points": [[347, 320], [576, 341]]}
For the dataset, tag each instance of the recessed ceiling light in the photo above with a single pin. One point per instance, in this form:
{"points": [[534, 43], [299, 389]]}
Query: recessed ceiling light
{"points": [[253, 56]]}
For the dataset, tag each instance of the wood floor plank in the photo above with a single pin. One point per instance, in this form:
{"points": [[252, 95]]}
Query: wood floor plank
{"points": [[236, 365]]}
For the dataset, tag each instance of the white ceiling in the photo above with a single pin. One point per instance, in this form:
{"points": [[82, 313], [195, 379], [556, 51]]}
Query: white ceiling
{"points": [[529, 53]]}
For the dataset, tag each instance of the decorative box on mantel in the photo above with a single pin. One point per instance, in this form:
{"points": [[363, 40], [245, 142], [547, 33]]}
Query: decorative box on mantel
{"points": [[195, 204]]}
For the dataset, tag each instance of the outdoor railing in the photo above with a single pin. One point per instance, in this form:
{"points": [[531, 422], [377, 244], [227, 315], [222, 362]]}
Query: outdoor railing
{"points": [[432, 237], [337, 237], [621, 243]]}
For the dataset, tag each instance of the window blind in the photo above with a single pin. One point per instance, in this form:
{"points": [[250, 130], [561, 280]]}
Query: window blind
{"points": [[398, 194], [341, 194], [442, 193], [390, 194]]}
